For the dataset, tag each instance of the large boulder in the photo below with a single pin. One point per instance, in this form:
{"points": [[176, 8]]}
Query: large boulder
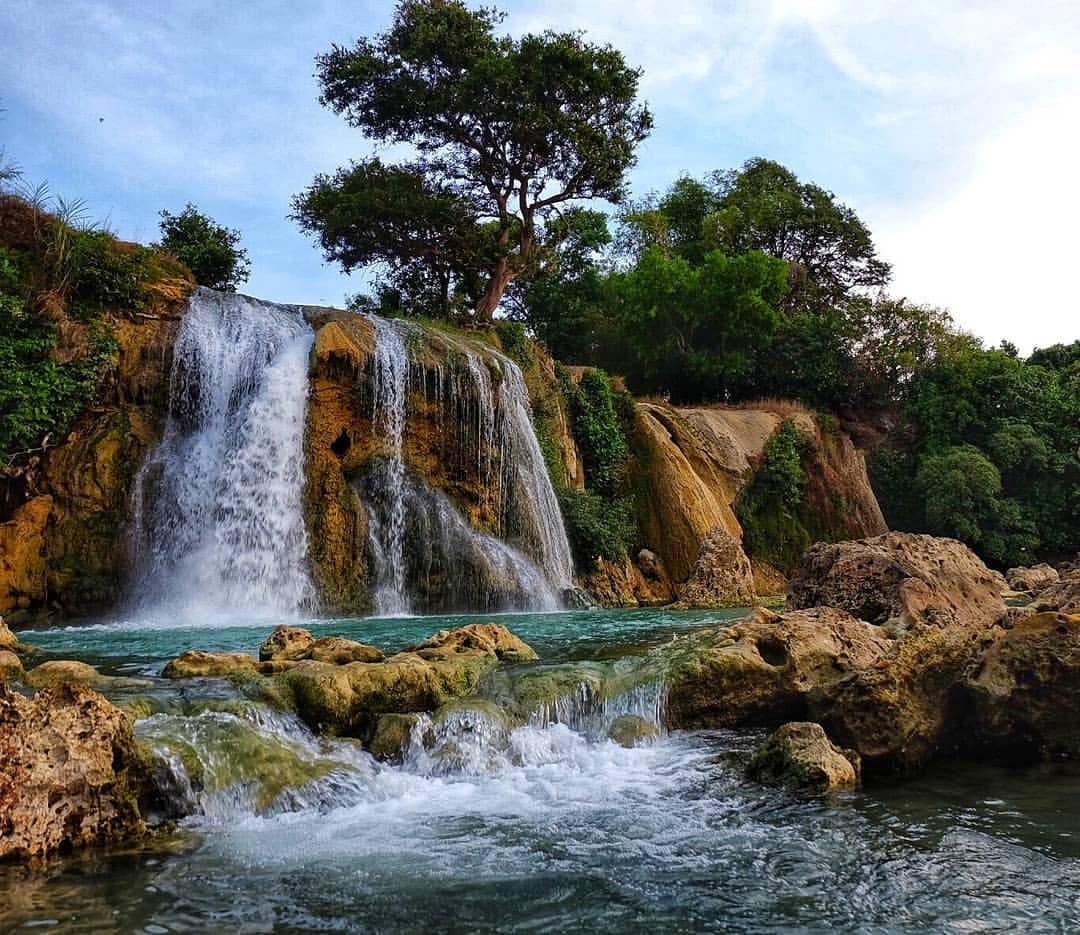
{"points": [[1024, 694], [766, 669], [71, 772], [901, 579], [338, 651], [801, 756], [349, 699], [11, 666], [1033, 578], [64, 671], [8, 640]]}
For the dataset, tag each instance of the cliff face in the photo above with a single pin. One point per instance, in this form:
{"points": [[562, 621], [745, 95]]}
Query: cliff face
{"points": [[690, 467], [466, 533], [63, 530]]}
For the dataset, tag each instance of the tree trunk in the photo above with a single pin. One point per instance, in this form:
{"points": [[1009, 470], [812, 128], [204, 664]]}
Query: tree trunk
{"points": [[501, 277]]}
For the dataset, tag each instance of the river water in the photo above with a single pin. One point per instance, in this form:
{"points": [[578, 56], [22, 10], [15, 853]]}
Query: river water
{"points": [[545, 827]]}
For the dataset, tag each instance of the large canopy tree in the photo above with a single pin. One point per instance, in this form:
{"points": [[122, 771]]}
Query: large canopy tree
{"points": [[506, 132]]}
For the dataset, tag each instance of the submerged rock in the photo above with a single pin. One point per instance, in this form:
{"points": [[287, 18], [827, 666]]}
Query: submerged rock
{"points": [[801, 756], [632, 730], [392, 736], [71, 773]]}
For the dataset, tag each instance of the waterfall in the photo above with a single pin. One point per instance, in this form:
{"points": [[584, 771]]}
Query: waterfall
{"points": [[219, 518], [481, 397], [386, 528]]}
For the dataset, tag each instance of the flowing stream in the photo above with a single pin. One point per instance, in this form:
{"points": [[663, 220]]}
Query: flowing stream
{"points": [[541, 823]]}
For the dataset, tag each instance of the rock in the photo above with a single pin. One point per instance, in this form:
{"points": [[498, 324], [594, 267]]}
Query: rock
{"points": [[632, 730], [10, 666], [900, 578], [801, 756], [722, 576], [1062, 596], [1035, 578], [199, 664], [338, 651], [623, 584], [64, 671], [763, 670], [8, 640], [1025, 692], [649, 563], [286, 643], [393, 733], [486, 638], [349, 699], [578, 599], [71, 773]]}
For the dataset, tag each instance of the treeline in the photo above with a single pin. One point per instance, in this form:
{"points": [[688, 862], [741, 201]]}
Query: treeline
{"points": [[752, 284]]}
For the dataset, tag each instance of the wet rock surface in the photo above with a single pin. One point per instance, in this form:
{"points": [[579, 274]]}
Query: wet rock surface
{"points": [[801, 756]]}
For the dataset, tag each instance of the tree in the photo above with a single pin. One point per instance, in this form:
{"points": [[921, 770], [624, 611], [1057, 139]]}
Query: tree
{"points": [[507, 133], [212, 252]]}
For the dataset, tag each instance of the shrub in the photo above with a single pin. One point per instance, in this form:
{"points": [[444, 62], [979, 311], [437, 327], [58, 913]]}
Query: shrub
{"points": [[597, 527], [212, 252]]}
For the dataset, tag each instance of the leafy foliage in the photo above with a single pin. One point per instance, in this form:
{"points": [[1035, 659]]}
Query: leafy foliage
{"points": [[212, 252], [507, 132], [769, 507], [597, 527]]}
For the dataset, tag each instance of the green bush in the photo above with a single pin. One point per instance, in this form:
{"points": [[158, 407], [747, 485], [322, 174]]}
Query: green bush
{"points": [[599, 433], [515, 342], [212, 252], [597, 527], [769, 508]]}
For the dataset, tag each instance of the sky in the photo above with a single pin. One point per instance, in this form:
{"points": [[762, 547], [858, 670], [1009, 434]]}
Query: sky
{"points": [[952, 128]]}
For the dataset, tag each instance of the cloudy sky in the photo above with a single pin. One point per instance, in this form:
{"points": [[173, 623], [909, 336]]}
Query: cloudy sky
{"points": [[951, 127]]}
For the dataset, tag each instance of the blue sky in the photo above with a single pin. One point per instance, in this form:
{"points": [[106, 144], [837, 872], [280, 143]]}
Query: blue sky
{"points": [[951, 128]]}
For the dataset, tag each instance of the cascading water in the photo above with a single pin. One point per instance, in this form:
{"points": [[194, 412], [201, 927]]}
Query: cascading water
{"points": [[219, 519], [482, 397], [386, 527]]}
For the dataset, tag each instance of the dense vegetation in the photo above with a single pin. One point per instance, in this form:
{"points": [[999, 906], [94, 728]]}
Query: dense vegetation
{"points": [[507, 134], [59, 277]]}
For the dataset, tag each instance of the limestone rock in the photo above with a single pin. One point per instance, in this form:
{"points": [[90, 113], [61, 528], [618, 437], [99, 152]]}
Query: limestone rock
{"points": [[763, 670], [1034, 578], [392, 736], [349, 699], [722, 576], [199, 664], [71, 772], [625, 584], [801, 756], [338, 651], [10, 666], [63, 671], [8, 640], [904, 578], [632, 730], [1025, 692], [286, 643], [1062, 596]]}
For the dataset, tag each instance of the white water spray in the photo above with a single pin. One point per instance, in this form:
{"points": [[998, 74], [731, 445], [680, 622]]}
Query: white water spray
{"points": [[219, 518]]}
